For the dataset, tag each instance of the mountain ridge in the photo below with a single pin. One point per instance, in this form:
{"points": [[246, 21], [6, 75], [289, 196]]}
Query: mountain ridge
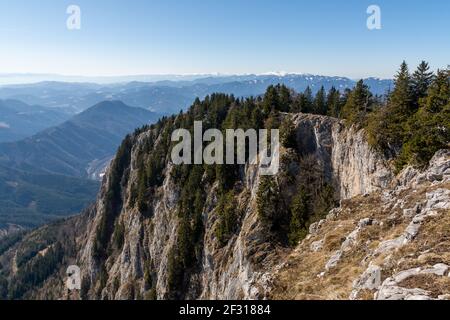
{"points": [[252, 264], [68, 148], [168, 96], [56, 172], [19, 120]]}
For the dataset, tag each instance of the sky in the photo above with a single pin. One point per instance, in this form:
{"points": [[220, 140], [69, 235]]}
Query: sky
{"points": [[135, 37]]}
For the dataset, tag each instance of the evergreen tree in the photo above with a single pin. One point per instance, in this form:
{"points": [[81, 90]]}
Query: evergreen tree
{"points": [[288, 133], [438, 94], [299, 216], [401, 98], [334, 103], [320, 106], [257, 118], [429, 128], [285, 98], [306, 101], [391, 126], [277, 98], [270, 102], [358, 104], [421, 81], [268, 197]]}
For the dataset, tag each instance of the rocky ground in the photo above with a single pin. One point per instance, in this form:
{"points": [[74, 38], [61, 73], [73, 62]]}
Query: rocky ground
{"points": [[387, 245]]}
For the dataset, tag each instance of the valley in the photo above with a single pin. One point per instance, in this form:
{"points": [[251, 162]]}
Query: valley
{"points": [[339, 220], [57, 172]]}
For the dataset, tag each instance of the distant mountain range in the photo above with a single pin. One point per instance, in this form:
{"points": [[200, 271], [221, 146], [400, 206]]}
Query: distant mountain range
{"points": [[172, 94], [69, 148], [19, 120], [52, 172], [49, 175]]}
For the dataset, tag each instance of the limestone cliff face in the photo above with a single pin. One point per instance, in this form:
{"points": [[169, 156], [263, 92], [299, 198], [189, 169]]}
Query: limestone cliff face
{"points": [[344, 154], [238, 270]]}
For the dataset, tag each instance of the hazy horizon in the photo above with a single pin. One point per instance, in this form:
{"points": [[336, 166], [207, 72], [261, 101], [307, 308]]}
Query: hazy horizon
{"points": [[148, 38], [7, 79]]}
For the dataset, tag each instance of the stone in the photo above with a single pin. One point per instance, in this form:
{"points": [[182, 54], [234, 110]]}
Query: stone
{"points": [[389, 245], [398, 293], [403, 275], [313, 228], [438, 199], [418, 297], [412, 231], [370, 279], [365, 222], [439, 169], [316, 246], [439, 269], [350, 240], [334, 260], [334, 213]]}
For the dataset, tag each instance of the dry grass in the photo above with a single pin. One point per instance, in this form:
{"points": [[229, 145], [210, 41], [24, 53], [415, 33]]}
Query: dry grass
{"points": [[299, 279], [435, 284]]}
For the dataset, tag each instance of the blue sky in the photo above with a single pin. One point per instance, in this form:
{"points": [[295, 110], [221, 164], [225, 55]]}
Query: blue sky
{"points": [[119, 37]]}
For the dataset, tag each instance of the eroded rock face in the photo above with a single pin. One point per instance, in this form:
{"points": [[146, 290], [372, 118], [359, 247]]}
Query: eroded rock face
{"points": [[348, 255], [344, 153], [389, 245], [241, 269]]}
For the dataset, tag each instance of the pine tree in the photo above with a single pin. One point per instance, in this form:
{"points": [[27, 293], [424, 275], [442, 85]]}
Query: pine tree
{"points": [[320, 106], [438, 93], [421, 81], [271, 101], [277, 98], [358, 104], [285, 99], [268, 198], [334, 103], [402, 97], [430, 127], [257, 118], [306, 101], [299, 216], [400, 108]]}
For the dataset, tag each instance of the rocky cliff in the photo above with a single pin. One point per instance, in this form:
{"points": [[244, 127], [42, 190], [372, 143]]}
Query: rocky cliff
{"points": [[129, 249], [391, 244]]}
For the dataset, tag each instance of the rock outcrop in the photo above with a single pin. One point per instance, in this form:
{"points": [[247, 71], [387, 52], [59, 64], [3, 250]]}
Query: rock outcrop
{"points": [[356, 252], [238, 270], [389, 245]]}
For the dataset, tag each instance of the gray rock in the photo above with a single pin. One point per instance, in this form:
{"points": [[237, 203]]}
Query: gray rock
{"points": [[365, 222], [334, 260], [370, 279], [412, 231], [350, 240], [398, 293], [389, 245], [439, 169], [418, 297], [316, 246], [403, 275], [439, 269], [438, 199], [313, 228]]}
